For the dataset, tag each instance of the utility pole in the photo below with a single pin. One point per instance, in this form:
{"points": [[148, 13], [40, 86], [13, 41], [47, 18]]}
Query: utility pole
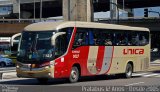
{"points": [[34, 10], [19, 10], [41, 12], [123, 8]]}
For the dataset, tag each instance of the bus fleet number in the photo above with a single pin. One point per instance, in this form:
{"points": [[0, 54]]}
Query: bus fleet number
{"points": [[75, 55]]}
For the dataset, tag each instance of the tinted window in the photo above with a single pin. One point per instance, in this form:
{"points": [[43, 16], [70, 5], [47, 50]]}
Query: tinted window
{"points": [[81, 37], [110, 37]]}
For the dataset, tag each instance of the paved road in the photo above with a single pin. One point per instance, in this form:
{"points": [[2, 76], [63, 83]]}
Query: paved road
{"points": [[144, 78], [147, 79], [144, 81]]}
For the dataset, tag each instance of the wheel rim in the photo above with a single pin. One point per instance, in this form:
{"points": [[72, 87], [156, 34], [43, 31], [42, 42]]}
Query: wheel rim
{"points": [[129, 71], [74, 75]]}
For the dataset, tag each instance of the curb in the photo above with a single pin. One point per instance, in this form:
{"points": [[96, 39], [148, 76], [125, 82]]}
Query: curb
{"points": [[11, 75], [154, 68]]}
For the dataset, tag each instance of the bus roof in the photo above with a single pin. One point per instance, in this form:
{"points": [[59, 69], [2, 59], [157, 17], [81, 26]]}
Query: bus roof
{"points": [[46, 26]]}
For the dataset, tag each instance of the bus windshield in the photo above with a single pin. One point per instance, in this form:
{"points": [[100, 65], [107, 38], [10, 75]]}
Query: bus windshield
{"points": [[35, 47]]}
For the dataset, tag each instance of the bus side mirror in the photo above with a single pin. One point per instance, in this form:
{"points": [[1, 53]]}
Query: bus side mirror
{"points": [[154, 50], [13, 38], [53, 39]]}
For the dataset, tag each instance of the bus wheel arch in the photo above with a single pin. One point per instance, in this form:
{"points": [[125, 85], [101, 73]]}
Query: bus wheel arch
{"points": [[75, 73], [131, 62]]}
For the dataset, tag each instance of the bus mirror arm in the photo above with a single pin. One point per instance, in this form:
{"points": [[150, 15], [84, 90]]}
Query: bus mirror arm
{"points": [[13, 38], [53, 39]]}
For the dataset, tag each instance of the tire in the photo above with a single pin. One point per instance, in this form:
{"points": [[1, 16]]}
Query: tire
{"points": [[128, 71], [74, 75], [2, 64], [42, 80]]}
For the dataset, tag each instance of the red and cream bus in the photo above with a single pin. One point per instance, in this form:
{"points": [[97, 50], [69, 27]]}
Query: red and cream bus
{"points": [[75, 49]]}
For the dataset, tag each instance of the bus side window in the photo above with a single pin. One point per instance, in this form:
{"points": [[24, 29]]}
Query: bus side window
{"points": [[91, 38], [61, 45], [143, 39], [97, 38], [146, 35], [108, 39], [130, 39], [121, 39], [135, 39], [69, 33], [81, 38]]}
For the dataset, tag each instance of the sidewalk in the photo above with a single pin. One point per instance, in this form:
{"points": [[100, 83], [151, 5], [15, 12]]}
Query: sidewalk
{"points": [[10, 75], [155, 65], [154, 68], [156, 62]]}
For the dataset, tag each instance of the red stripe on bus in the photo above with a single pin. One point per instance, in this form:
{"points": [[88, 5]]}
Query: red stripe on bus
{"points": [[58, 68], [72, 38], [100, 57], [83, 61]]}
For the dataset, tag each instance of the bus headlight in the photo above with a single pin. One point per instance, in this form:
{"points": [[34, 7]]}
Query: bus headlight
{"points": [[52, 63], [47, 67], [17, 66]]}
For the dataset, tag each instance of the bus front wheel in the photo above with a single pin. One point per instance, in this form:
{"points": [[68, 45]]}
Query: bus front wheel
{"points": [[74, 75]]}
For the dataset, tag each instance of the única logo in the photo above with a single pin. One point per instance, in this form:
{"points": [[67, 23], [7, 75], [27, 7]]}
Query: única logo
{"points": [[131, 51]]}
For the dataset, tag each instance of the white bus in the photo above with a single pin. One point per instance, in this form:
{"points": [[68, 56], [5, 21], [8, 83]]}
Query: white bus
{"points": [[71, 50]]}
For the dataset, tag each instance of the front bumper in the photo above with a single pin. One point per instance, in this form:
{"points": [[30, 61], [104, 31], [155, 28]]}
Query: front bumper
{"points": [[35, 72]]}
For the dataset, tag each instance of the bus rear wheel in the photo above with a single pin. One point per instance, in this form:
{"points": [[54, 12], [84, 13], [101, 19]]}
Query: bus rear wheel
{"points": [[128, 71], [74, 75]]}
